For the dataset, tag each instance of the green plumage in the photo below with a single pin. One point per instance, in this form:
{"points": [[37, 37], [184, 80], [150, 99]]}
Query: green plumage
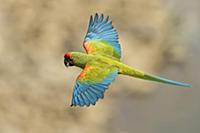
{"points": [[101, 64], [105, 62]]}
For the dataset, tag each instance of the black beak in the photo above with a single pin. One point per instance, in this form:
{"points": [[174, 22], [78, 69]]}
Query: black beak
{"points": [[68, 62]]}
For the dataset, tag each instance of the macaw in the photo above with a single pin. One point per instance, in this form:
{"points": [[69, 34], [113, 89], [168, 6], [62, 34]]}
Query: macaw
{"points": [[101, 63]]}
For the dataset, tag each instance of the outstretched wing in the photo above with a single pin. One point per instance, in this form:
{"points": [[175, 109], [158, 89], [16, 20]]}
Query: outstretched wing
{"points": [[92, 83], [102, 37]]}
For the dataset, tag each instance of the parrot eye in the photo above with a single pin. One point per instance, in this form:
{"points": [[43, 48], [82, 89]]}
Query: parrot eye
{"points": [[68, 62]]}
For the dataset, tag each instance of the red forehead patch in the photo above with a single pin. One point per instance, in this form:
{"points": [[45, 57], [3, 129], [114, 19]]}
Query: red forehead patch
{"points": [[68, 55]]}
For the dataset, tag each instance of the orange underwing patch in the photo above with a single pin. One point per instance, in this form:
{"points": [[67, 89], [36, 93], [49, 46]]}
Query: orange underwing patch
{"points": [[88, 47], [86, 69]]}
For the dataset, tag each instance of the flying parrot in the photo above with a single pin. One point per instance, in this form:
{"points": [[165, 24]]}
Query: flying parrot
{"points": [[101, 63]]}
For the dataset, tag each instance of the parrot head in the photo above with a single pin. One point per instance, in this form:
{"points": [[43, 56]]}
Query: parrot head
{"points": [[68, 60], [75, 59]]}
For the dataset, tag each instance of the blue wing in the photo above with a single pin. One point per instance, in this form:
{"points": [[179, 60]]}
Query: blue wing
{"points": [[101, 29], [87, 91]]}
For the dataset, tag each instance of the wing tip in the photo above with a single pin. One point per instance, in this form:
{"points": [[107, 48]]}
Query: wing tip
{"points": [[98, 16], [80, 105]]}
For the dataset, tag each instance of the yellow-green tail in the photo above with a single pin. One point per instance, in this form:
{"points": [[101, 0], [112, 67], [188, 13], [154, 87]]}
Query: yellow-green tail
{"points": [[139, 74], [164, 80]]}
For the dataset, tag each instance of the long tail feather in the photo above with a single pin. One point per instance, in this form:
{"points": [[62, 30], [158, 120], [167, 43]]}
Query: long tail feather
{"points": [[139, 74], [164, 80]]}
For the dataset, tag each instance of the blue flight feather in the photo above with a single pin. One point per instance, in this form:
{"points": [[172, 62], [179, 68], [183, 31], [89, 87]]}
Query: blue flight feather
{"points": [[101, 28], [86, 93]]}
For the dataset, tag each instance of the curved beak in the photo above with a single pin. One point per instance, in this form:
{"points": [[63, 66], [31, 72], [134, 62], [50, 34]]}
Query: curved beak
{"points": [[68, 62]]}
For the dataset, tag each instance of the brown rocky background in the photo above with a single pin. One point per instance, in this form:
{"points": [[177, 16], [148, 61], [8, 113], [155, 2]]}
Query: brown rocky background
{"points": [[157, 36]]}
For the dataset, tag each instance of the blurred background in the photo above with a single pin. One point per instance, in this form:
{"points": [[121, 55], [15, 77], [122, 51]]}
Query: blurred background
{"points": [[157, 36]]}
